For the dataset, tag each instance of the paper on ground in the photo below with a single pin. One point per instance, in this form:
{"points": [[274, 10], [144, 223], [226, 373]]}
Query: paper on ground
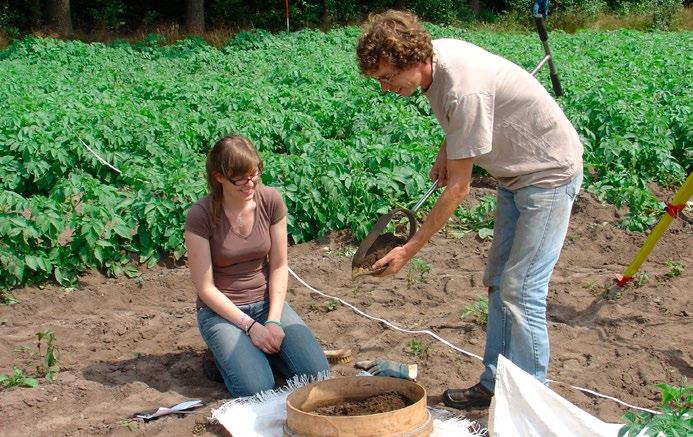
{"points": [[522, 406], [179, 408]]}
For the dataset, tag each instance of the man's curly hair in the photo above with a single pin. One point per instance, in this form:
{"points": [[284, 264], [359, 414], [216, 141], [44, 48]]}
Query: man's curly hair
{"points": [[393, 36]]}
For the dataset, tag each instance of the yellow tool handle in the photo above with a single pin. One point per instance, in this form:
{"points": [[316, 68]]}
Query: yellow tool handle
{"points": [[677, 203]]}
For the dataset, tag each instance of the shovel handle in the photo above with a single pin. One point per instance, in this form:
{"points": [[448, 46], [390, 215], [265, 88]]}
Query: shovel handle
{"points": [[541, 29], [425, 197]]}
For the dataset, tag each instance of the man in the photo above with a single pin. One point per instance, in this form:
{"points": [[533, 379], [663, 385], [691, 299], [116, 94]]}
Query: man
{"points": [[497, 116]]}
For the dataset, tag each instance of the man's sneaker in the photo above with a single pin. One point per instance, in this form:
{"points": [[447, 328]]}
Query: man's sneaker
{"points": [[209, 367], [476, 396]]}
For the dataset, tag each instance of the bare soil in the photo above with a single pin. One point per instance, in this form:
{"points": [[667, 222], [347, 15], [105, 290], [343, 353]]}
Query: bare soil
{"points": [[381, 403], [131, 345]]}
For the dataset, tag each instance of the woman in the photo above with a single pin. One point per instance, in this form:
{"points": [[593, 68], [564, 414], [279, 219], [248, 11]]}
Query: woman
{"points": [[237, 251]]}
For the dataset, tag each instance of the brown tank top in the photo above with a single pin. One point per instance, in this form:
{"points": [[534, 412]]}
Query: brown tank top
{"points": [[239, 264]]}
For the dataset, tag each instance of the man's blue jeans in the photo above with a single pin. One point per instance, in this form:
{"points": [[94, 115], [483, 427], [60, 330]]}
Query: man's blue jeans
{"points": [[531, 225], [245, 368]]}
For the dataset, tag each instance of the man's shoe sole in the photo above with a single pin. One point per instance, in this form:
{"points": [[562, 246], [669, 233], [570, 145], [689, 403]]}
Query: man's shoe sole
{"points": [[465, 405]]}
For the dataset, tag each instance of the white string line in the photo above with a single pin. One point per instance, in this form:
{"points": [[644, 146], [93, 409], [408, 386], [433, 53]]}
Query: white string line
{"points": [[103, 161], [586, 390], [386, 322], [447, 343]]}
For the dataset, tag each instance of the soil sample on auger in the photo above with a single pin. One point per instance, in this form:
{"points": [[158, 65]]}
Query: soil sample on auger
{"points": [[380, 247], [378, 243]]}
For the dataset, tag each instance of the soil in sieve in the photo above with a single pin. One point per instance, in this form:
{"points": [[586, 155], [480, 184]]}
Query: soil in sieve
{"points": [[381, 403]]}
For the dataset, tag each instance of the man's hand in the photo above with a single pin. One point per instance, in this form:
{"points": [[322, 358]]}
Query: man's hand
{"points": [[439, 170], [394, 260], [460, 173], [263, 339]]}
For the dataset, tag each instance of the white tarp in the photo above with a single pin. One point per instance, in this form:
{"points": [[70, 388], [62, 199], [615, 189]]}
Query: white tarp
{"points": [[522, 406], [263, 415]]}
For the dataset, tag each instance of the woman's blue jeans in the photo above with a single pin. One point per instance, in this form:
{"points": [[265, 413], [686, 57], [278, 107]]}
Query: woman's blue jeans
{"points": [[245, 368], [531, 225]]}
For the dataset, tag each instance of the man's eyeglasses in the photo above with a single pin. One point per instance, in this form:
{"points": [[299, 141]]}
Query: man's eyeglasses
{"points": [[243, 180], [388, 77]]}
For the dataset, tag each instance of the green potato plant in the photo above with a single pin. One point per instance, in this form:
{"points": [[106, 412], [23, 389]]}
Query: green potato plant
{"points": [[17, 379], [478, 310], [415, 347], [674, 421], [333, 305], [418, 271], [49, 365], [104, 144]]}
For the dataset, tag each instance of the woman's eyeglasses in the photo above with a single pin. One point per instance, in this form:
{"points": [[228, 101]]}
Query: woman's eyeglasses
{"points": [[243, 180]]}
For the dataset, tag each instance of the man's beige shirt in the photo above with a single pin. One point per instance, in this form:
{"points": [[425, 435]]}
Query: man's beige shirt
{"points": [[497, 113]]}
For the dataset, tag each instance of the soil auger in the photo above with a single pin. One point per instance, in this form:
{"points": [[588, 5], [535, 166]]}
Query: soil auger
{"points": [[376, 245]]}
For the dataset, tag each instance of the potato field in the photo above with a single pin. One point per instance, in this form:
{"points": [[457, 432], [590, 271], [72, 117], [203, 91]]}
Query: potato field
{"points": [[102, 151]]}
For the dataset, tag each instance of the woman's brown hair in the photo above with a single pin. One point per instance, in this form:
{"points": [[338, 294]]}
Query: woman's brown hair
{"points": [[393, 36], [231, 156]]}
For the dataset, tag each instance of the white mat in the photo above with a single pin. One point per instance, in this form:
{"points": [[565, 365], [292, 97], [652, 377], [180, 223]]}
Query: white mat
{"points": [[264, 414]]}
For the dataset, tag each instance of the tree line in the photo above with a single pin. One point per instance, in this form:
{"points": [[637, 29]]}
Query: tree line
{"points": [[63, 17]]}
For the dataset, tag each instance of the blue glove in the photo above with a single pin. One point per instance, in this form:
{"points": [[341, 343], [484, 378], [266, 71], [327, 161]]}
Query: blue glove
{"points": [[393, 369]]}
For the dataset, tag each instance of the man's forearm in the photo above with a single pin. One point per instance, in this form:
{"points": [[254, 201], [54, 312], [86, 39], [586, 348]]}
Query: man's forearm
{"points": [[440, 213]]}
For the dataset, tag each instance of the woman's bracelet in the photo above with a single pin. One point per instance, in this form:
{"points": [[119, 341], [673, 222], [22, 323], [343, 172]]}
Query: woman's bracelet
{"points": [[247, 330], [276, 322], [243, 321]]}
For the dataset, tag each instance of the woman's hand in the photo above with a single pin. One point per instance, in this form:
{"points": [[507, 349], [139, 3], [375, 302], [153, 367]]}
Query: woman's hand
{"points": [[264, 339], [277, 334]]}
